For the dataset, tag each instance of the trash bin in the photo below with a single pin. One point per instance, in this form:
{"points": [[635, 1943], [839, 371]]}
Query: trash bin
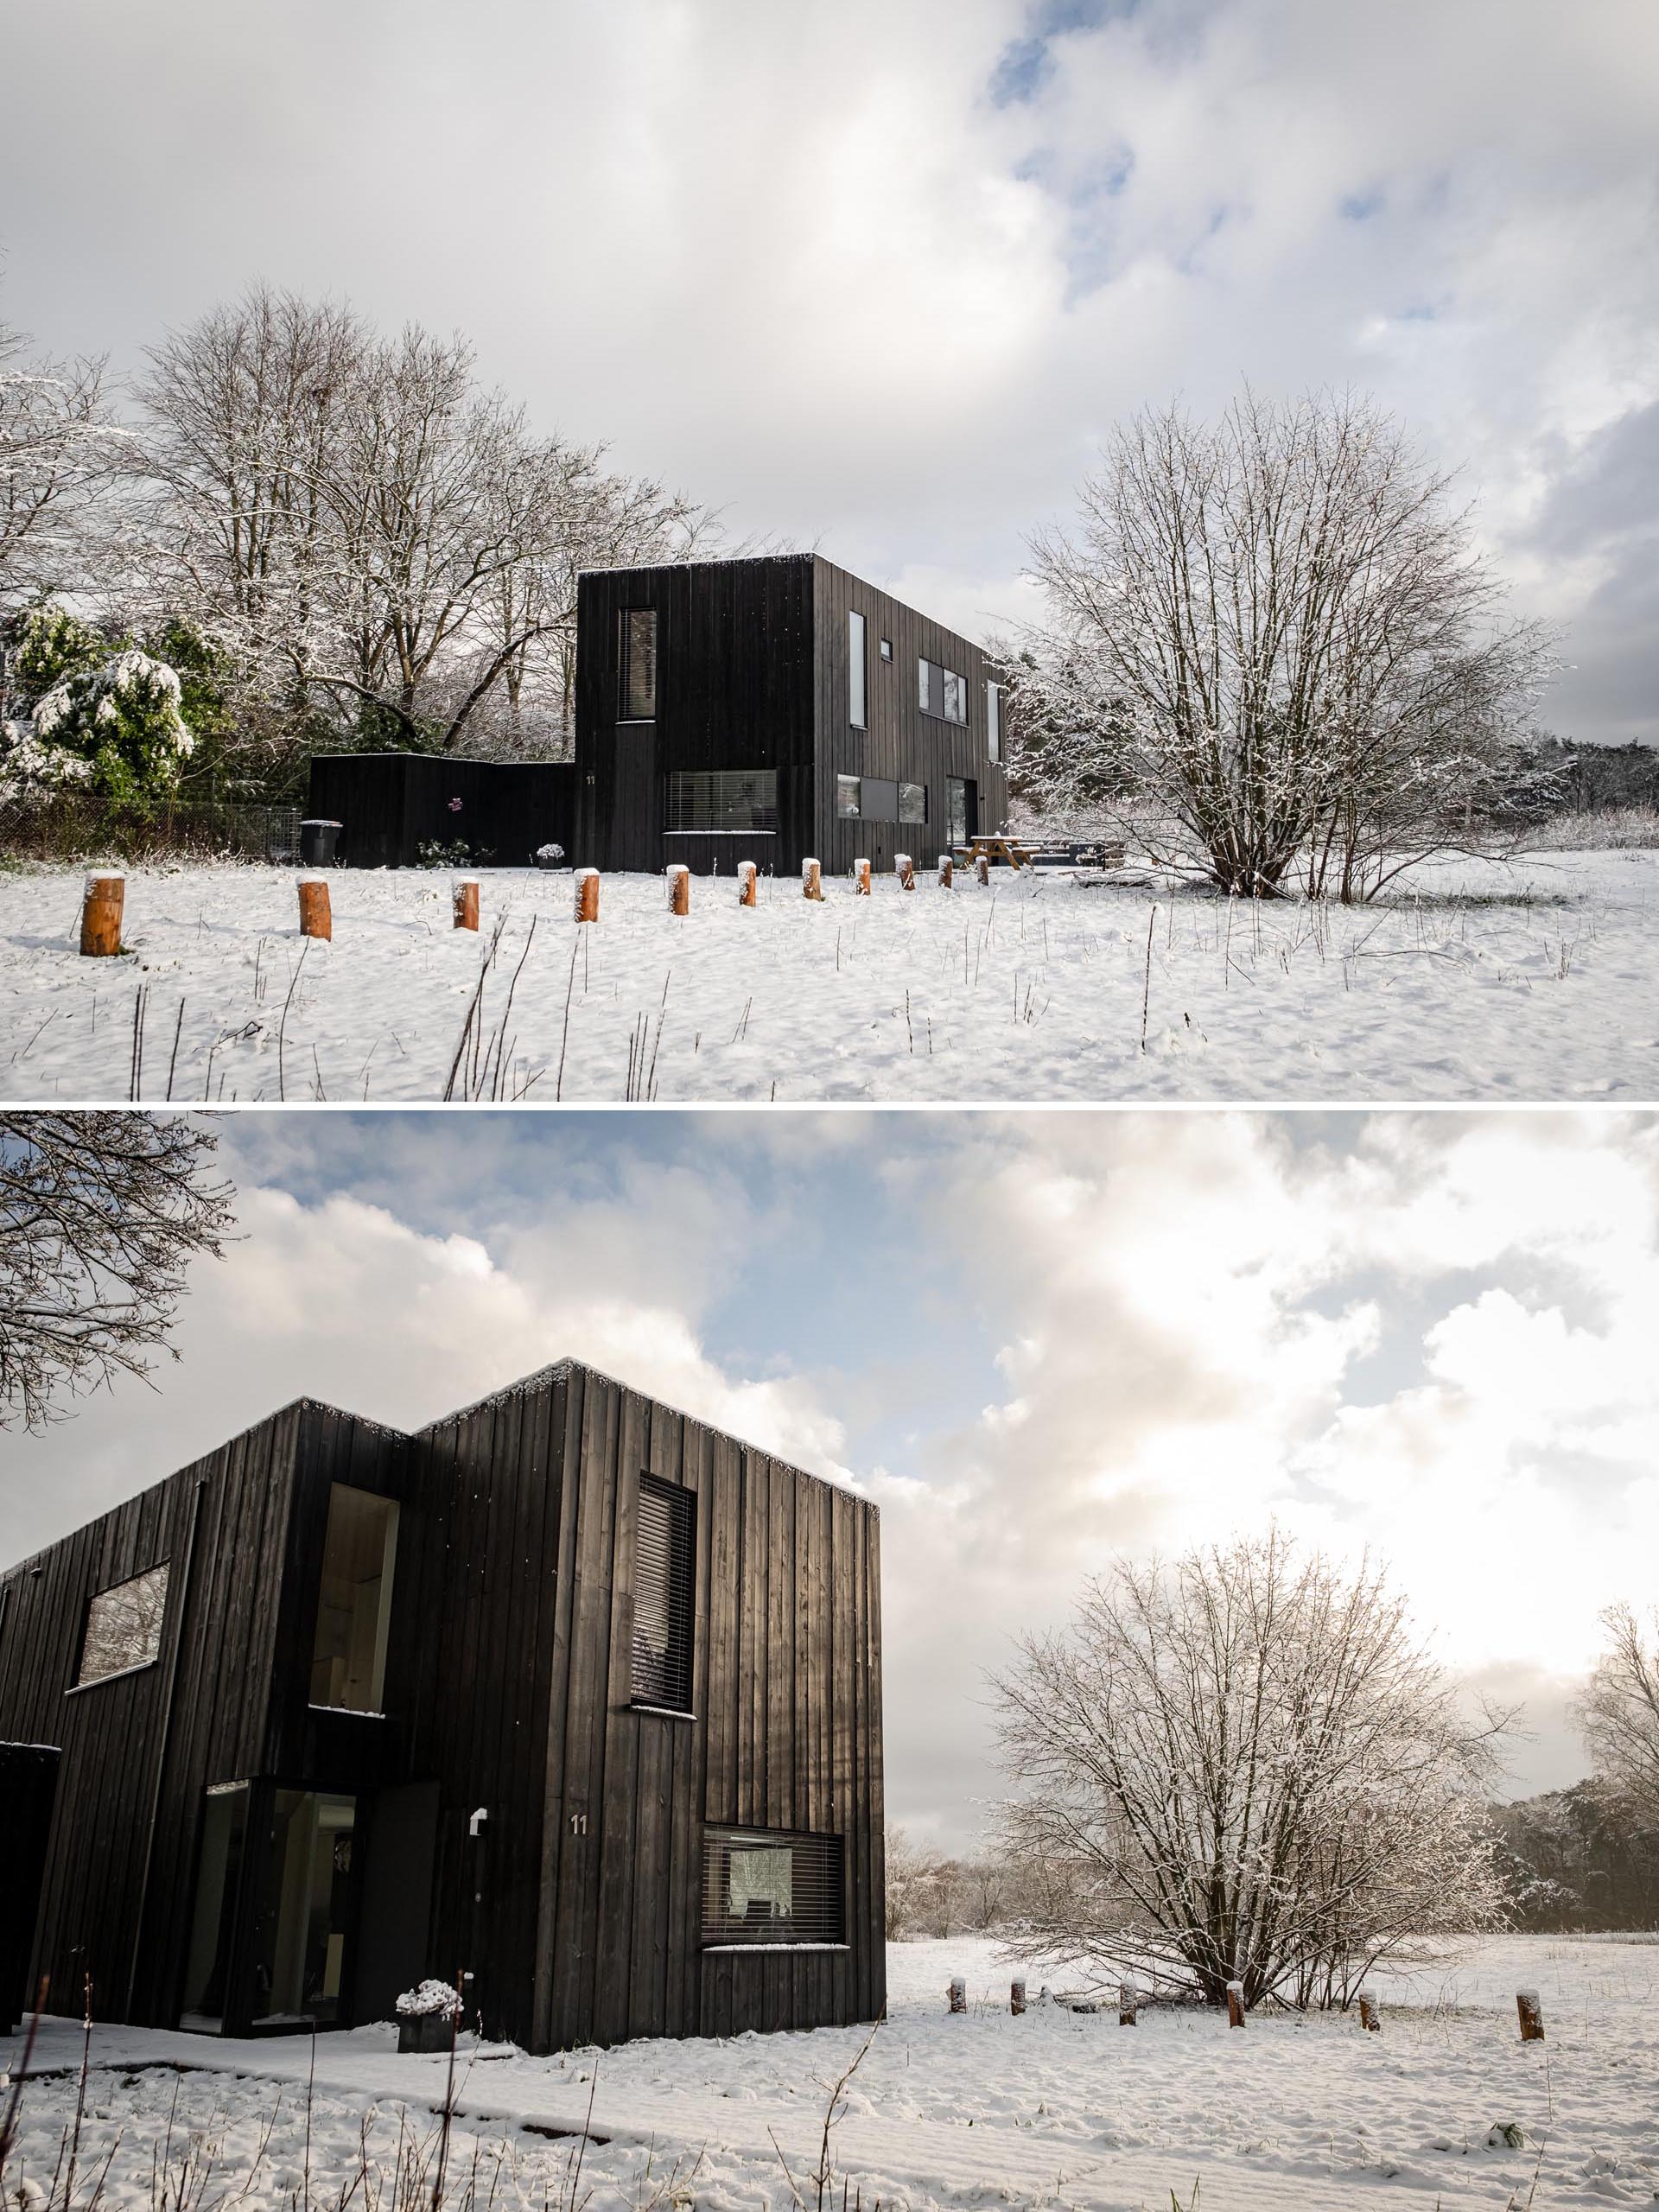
{"points": [[317, 841]]}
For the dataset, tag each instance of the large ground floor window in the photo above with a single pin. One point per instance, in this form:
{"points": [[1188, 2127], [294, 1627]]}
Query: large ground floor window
{"points": [[761, 1886], [273, 1910], [718, 802]]}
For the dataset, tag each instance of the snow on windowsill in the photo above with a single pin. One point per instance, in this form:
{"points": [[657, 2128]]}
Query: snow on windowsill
{"points": [[354, 1712], [116, 1674], [757, 1948], [665, 1712]]}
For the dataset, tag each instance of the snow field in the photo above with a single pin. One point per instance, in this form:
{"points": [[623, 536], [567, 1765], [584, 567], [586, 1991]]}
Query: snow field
{"points": [[1054, 2109], [1537, 982]]}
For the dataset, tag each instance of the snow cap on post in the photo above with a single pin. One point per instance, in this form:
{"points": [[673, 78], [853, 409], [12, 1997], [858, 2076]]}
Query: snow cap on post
{"points": [[811, 879], [587, 902], [463, 893], [1235, 2004], [679, 877], [982, 867], [861, 879], [946, 870], [958, 1993], [904, 868], [102, 898], [745, 881]]}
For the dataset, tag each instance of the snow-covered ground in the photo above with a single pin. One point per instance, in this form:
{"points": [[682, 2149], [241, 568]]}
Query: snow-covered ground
{"points": [[1539, 980], [1056, 2108]]}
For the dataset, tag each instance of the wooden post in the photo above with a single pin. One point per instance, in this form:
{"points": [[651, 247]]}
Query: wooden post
{"points": [[958, 1993], [1235, 2004], [904, 868], [465, 893], [811, 879], [1532, 2015], [1129, 1997], [982, 867], [587, 894], [746, 881], [1017, 1996], [861, 879], [679, 888], [1369, 2016], [945, 871], [315, 920], [101, 903]]}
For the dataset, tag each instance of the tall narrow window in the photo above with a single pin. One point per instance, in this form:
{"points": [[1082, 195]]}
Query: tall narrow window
{"points": [[994, 721], [218, 1876], [924, 687], [348, 1661], [856, 671], [763, 1887], [662, 1569], [123, 1626], [848, 804], [912, 802], [637, 662]]}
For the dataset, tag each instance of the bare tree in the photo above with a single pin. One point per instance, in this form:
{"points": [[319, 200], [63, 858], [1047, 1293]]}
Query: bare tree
{"points": [[1618, 1711], [59, 449], [1242, 1767], [911, 1879], [1274, 633], [100, 1216], [379, 543]]}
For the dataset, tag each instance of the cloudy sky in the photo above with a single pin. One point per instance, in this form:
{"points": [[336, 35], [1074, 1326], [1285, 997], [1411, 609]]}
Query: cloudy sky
{"points": [[877, 273], [1035, 1339]]}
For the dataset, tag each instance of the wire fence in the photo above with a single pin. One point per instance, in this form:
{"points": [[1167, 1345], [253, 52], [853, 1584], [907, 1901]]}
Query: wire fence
{"points": [[67, 826]]}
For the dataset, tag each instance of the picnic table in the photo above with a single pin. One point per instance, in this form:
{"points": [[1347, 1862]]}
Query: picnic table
{"points": [[1000, 849]]}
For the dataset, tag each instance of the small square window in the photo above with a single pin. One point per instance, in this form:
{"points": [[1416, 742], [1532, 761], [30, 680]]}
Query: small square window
{"points": [[123, 1626], [886, 648]]}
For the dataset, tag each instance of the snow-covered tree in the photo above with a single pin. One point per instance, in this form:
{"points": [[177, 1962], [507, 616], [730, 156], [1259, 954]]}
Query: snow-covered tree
{"points": [[58, 450], [1242, 1766], [1618, 1711], [377, 543], [1275, 634]]}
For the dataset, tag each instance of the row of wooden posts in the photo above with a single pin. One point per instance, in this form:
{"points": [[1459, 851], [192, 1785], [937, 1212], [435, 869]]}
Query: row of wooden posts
{"points": [[1128, 2004], [104, 896]]}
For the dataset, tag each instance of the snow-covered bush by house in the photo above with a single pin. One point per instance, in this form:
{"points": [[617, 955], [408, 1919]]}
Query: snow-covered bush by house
{"points": [[102, 719], [429, 2000]]}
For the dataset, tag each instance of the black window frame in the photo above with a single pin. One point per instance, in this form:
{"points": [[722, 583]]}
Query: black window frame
{"points": [[665, 1532], [858, 670], [818, 1916]]}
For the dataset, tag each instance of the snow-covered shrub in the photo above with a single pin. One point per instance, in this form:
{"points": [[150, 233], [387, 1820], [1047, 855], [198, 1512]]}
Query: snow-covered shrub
{"points": [[429, 2000], [548, 855], [27, 765], [123, 719]]}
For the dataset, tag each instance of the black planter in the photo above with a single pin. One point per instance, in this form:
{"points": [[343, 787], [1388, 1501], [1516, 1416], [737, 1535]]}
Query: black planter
{"points": [[424, 2031]]}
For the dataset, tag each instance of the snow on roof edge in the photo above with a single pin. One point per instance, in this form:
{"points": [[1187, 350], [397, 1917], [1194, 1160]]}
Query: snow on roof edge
{"points": [[558, 1370]]}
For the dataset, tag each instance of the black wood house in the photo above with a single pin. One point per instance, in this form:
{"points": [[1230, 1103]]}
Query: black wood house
{"points": [[770, 710], [568, 1693]]}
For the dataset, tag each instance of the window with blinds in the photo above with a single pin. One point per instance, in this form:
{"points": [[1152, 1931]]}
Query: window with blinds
{"points": [[664, 1556], [637, 665], [761, 1886], [716, 802]]}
